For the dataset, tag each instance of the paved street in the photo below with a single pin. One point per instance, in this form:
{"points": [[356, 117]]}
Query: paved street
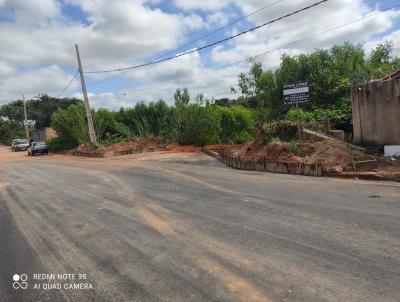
{"points": [[183, 227]]}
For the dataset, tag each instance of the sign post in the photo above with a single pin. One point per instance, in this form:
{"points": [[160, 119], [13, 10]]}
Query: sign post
{"points": [[296, 93]]}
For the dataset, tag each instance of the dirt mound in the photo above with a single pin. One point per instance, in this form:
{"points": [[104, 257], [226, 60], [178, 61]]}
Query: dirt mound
{"points": [[335, 156], [271, 152], [133, 144], [123, 146]]}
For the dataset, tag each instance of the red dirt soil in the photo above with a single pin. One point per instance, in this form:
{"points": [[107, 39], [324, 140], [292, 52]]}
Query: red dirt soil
{"points": [[125, 145], [175, 148], [334, 156], [272, 152], [223, 148]]}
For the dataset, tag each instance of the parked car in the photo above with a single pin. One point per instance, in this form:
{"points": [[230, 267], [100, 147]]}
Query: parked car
{"points": [[38, 147], [19, 145]]}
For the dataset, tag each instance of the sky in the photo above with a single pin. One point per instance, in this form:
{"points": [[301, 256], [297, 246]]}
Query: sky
{"points": [[38, 40]]}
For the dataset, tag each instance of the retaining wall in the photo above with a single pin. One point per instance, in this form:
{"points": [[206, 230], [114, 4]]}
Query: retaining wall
{"points": [[273, 167], [117, 153]]}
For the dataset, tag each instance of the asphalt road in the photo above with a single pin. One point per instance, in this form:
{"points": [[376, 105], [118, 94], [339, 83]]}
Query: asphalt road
{"points": [[183, 227]]}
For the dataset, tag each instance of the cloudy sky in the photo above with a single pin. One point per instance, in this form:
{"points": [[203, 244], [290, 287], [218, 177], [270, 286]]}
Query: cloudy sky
{"points": [[38, 36]]}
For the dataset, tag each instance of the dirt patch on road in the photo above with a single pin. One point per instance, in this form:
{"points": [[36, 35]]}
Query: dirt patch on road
{"points": [[7, 156]]}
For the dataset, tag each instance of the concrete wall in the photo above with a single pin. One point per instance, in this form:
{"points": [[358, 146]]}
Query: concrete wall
{"points": [[273, 167], [376, 113], [44, 134]]}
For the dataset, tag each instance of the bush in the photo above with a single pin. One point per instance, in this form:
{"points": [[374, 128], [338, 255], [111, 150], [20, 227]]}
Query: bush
{"points": [[284, 130], [70, 124], [155, 118], [237, 124], [339, 115], [108, 129], [59, 143], [199, 126], [295, 148]]}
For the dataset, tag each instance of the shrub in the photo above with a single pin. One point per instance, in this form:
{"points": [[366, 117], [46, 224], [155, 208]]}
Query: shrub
{"points": [[237, 124], [70, 124], [199, 126], [59, 143], [295, 148], [339, 115], [108, 129], [284, 130]]}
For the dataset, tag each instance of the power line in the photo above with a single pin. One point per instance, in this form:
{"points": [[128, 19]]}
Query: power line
{"points": [[212, 44], [219, 29], [69, 83], [248, 59], [195, 40]]}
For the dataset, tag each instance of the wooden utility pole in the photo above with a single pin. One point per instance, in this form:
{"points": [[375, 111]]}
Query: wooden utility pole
{"points": [[92, 133], [25, 119]]}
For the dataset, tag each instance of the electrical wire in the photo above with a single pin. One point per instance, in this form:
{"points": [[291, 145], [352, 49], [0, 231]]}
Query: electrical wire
{"points": [[219, 29], [249, 59], [194, 41], [69, 83], [212, 44]]}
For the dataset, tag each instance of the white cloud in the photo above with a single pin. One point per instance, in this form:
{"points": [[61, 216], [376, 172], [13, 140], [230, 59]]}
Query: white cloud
{"points": [[6, 69], [128, 32], [35, 10], [393, 36], [201, 5], [47, 80], [295, 28], [120, 34]]}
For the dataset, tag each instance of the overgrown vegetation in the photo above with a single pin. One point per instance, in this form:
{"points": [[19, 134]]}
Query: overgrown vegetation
{"points": [[200, 121]]}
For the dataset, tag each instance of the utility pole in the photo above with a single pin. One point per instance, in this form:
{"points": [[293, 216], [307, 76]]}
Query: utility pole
{"points": [[25, 118], [92, 133]]}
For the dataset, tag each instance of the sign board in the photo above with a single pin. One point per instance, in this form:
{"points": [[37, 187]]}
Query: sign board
{"points": [[295, 93]]}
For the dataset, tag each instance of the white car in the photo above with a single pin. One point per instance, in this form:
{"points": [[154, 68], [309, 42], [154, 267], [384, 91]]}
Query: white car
{"points": [[19, 145]]}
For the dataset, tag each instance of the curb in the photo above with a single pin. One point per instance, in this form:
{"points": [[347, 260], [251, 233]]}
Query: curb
{"points": [[273, 167], [297, 169]]}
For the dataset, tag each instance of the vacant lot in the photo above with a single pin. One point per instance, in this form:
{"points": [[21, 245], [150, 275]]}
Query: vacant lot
{"points": [[182, 227]]}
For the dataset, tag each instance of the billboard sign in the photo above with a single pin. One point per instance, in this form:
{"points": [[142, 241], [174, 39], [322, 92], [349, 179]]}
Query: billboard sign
{"points": [[295, 93]]}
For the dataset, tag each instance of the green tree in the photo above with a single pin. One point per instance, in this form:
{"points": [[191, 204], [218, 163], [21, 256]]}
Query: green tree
{"points": [[38, 109], [10, 130], [200, 126], [182, 98], [70, 124]]}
